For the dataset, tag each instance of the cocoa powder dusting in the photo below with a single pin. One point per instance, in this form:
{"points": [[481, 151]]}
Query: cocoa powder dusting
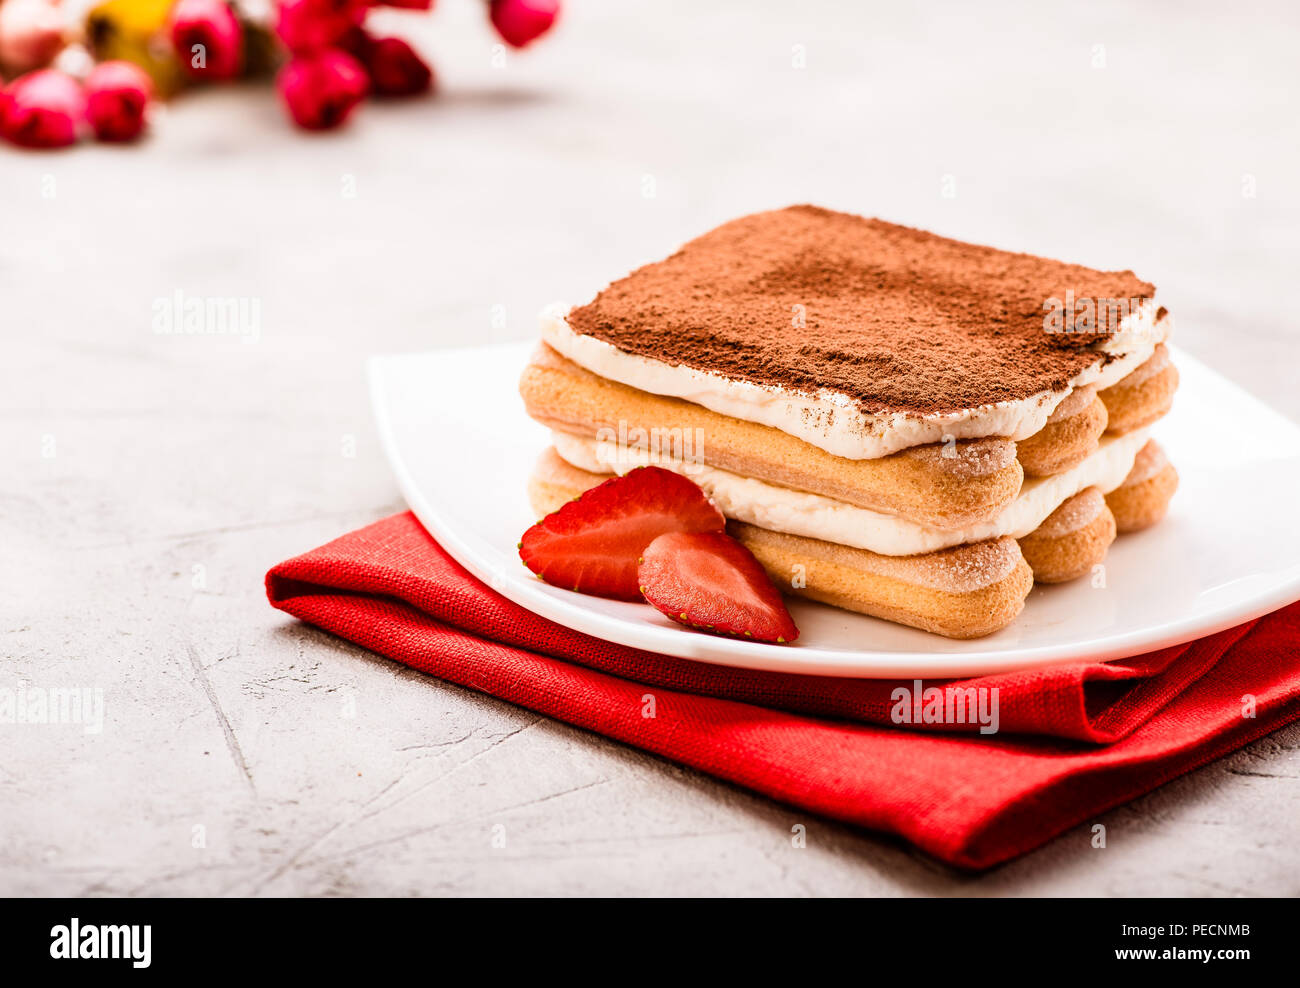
{"points": [[896, 318]]}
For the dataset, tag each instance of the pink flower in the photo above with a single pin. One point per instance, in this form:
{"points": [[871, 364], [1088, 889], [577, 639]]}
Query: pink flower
{"points": [[407, 4], [42, 109], [31, 34], [309, 25], [117, 97], [321, 89], [207, 38], [395, 69], [521, 21]]}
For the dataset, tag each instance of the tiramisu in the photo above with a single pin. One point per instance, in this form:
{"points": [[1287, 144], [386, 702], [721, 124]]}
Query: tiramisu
{"points": [[891, 421]]}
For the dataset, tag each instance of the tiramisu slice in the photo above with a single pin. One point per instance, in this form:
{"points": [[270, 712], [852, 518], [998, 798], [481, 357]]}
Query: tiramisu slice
{"points": [[845, 382]]}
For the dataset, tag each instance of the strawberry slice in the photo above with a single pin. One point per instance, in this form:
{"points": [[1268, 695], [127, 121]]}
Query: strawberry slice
{"points": [[709, 581], [593, 543]]}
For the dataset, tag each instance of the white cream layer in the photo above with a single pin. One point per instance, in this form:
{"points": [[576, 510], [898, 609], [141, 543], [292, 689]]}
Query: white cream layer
{"points": [[831, 420], [814, 516]]}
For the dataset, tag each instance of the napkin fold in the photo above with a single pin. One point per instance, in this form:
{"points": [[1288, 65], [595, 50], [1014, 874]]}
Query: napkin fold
{"points": [[1072, 740]]}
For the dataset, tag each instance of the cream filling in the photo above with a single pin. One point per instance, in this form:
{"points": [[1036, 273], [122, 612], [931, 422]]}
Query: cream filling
{"points": [[814, 516], [831, 420]]}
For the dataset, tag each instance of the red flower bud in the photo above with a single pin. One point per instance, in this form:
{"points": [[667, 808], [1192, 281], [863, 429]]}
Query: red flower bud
{"points": [[310, 25], [42, 109], [395, 69], [117, 97], [31, 34], [521, 21], [207, 38], [406, 4], [322, 88]]}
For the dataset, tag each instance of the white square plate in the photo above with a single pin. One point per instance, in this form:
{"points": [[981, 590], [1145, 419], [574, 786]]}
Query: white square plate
{"points": [[462, 449]]}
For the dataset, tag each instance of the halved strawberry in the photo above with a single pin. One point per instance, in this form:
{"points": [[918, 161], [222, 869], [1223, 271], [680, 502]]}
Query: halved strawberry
{"points": [[709, 581], [593, 543]]}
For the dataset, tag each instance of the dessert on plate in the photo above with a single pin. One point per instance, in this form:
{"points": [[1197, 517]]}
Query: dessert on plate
{"points": [[892, 422]]}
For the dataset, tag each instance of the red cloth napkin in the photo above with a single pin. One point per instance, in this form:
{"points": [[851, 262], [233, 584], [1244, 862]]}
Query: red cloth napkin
{"points": [[1074, 740]]}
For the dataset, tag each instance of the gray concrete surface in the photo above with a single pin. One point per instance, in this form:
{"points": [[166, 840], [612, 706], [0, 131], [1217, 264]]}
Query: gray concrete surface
{"points": [[150, 479]]}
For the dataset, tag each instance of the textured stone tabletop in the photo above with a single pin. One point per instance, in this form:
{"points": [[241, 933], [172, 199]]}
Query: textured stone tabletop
{"points": [[151, 479]]}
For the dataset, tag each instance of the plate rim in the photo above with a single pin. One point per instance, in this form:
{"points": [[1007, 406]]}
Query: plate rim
{"points": [[796, 658]]}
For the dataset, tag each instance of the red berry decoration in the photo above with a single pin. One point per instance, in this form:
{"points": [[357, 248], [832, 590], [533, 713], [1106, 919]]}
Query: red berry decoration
{"points": [[31, 34], [310, 25], [522, 21], [710, 582], [42, 109], [333, 63], [593, 544], [356, 42], [117, 100], [395, 69], [322, 89], [207, 38]]}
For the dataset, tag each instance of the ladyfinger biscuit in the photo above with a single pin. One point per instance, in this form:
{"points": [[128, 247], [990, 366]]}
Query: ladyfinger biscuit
{"points": [[1071, 433], [964, 592], [1072, 540], [945, 486], [1143, 498], [1143, 396], [554, 482], [814, 516]]}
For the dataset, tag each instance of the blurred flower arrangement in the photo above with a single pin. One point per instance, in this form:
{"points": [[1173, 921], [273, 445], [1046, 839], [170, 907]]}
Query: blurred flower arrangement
{"points": [[64, 77]]}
